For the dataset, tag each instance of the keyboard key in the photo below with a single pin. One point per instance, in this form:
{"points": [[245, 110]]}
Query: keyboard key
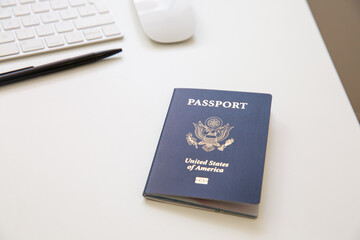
{"points": [[86, 11], [29, 21], [93, 21], [92, 1], [64, 27], [101, 7], [68, 14], [40, 7], [73, 37], [6, 37], [111, 30], [32, 45], [58, 4], [54, 41], [25, 33], [21, 10], [26, 1], [91, 34], [49, 17], [9, 24], [44, 30], [7, 3], [4, 13], [8, 49], [75, 3]]}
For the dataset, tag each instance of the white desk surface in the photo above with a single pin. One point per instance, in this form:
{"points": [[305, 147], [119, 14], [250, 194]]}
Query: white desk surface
{"points": [[76, 146]]}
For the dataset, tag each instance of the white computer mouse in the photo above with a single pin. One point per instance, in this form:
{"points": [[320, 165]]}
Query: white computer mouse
{"points": [[166, 21]]}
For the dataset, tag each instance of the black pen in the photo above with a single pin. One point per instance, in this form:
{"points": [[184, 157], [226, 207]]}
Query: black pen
{"points": [[30, 72]]}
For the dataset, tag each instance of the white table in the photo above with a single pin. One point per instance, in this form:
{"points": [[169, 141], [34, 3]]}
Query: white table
{"points": [[77, 146]]}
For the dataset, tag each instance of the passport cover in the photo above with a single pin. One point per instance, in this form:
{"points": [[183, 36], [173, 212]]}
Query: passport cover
{"points": [[211, 151]]}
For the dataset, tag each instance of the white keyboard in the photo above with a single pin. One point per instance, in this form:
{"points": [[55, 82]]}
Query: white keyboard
{"points": [[37, 26]]}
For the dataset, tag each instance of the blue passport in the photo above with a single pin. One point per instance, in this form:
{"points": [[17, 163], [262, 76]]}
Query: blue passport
{"points": [[211, 151]]}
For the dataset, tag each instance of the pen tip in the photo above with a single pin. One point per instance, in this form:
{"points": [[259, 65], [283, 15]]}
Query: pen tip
{"points": [[117, 50], [111, 52]]}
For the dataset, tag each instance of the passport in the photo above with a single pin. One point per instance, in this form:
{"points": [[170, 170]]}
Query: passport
{"points": [[211, 151]]}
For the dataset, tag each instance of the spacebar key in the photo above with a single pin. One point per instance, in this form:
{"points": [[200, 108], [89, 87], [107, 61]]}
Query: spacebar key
{"points": [[93, 21]]}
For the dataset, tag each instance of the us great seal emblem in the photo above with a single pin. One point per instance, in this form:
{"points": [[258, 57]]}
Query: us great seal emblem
{"points": [[210, 134]]}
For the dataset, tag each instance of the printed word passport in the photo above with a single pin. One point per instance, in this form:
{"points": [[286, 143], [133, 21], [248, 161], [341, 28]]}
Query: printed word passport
{"points": [[211, 151]]}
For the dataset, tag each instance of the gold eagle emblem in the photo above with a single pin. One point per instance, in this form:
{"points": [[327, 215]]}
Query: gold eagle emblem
{"points": [[210, 134]]}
